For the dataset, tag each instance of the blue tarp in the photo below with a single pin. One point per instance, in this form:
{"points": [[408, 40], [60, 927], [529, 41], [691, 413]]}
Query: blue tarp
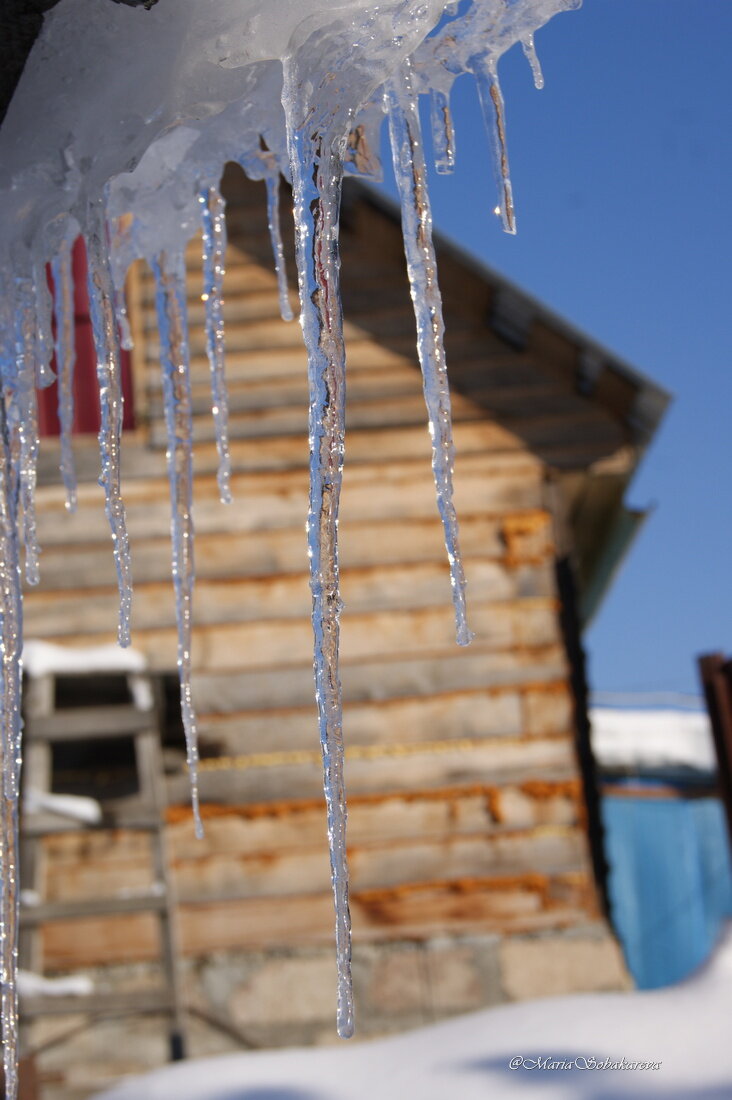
{"points": [[670, 882]]}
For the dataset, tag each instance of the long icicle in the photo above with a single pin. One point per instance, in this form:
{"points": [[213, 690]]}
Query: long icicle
{"points": [[411, 177], [106, 343], [23, 421], [316, 180], [11, 633], [494, 116], [272, 181], [170, 282], [213, 218], [63, 281]]}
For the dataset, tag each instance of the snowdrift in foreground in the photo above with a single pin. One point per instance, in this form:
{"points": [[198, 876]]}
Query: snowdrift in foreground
{"points": [[500, 1053]]}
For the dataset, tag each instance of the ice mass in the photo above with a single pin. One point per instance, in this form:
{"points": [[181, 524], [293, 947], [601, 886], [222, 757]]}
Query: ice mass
{"points": [[119, 130]]}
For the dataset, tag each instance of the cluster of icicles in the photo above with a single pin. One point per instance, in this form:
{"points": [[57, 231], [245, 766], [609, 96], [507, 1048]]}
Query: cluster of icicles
{"points": [[331, 126]]}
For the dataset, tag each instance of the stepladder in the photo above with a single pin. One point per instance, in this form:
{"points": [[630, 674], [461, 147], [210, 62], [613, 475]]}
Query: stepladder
{"points": [[76, 711]]}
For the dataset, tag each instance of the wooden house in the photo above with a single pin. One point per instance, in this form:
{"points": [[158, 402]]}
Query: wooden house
{"points": [[475, 845]]}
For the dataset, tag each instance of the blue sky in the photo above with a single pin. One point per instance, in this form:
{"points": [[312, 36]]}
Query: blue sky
{"points": [[622, 176]]}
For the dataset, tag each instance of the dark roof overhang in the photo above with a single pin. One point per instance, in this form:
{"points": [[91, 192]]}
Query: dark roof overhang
{"points": [[20, 25]]}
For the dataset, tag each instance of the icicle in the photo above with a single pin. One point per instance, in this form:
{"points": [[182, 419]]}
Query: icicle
{"points": [[11, 631], [273, 219], [316, 180], [22, 415], [117, 228], [123, 322], [410, 173], [533, 59], [494, 116], [214, 252], [106, 343], [170, 280], [44, 333], [443, 132], [63, 281]]}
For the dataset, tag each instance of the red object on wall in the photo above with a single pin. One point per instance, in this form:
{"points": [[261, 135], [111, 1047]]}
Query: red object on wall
{"points": [[86, 394]]}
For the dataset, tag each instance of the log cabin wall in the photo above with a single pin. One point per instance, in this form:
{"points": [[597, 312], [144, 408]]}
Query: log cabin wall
{"points": [[471, 877]]}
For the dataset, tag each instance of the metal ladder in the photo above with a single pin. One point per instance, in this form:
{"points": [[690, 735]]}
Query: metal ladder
{"points": [[47, 725]]}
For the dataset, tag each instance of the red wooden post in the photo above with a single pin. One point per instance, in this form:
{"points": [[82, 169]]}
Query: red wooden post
{"points": [[86, 399]]}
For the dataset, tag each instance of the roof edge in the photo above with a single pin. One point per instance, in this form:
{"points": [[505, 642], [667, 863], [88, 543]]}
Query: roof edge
{"points": [[652, 399]]}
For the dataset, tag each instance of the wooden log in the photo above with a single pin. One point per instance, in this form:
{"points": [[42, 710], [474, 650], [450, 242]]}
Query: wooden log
{"points": [[298, 824], [475, 713], [291, 362], [241, 276], [488, 484], [280, 596], [387, 373], [522, 540], [381, 412], [232, 646], [221, 693], [94, 890], [289, 453], [418, 814], [509, 466], [243, 337], [257, 393], [275, 776], [256, 334], [509, 906], [241, 304], [478, 713]]}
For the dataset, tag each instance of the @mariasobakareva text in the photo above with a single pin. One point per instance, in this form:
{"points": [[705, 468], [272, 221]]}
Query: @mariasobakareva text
{"points": [[581, 1062]]}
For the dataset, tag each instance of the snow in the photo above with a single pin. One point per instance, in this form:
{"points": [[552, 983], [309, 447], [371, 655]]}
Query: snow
{"points": [[683, 1028], [41, 658], [72, 806], [37, 985], [634, 737]]}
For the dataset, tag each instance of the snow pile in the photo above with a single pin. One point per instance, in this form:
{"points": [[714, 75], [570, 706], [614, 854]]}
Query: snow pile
{"points": [[75, 807], [119, 129], [652, 738], [567, 1048], [37, 985], [41, 658]]}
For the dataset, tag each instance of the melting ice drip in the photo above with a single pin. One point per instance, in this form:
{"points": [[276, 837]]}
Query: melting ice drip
{"points": [[130, 155]]}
